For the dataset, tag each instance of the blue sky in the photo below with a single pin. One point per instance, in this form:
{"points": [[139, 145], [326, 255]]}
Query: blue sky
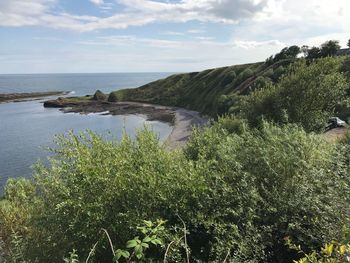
{"points": [[57, 36]]}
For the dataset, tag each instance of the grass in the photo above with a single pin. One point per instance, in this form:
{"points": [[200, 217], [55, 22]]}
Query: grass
{"points": [[198, 91], [76, 99]]}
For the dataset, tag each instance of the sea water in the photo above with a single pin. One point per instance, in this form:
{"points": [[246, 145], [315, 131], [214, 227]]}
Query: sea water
{"points": [[27, 129]]}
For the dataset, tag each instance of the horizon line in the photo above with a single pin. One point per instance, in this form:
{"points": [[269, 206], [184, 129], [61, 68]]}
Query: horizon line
{"points": [[62, 73]]}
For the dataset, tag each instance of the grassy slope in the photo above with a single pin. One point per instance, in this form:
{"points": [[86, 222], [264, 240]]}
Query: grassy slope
{"points": [[198, 90]]}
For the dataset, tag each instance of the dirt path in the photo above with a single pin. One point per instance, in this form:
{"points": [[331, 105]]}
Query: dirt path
{"points": [[335, 134]]}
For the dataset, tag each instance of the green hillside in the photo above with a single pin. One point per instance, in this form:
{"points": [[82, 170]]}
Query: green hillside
{"points": [[214, 91], [202, 91]]}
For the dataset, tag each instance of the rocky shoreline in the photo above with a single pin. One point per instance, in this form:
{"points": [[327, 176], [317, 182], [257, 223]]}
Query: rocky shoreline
{"points": [[88, 105], [182, 120], [17, 97]]}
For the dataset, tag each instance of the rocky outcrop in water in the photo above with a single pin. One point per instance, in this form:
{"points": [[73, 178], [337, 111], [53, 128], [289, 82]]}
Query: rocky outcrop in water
{"points": [[15, 97]]}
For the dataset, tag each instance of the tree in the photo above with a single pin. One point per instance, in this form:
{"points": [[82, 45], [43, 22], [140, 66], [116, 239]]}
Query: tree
{"points": [[287, 53], [300, 97], [293, 51], [330, 48], [348, 43], [313, 53]]}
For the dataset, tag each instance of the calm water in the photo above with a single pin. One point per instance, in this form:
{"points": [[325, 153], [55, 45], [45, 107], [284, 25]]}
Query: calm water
{"points": [[27, 128], [80, 84]]}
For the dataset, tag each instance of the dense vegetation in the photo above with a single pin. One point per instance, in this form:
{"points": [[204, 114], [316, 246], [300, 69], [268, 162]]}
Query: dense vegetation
{"points": [[215, 91], [240, 192], [259, 185], [308, 95], [201, 91]]}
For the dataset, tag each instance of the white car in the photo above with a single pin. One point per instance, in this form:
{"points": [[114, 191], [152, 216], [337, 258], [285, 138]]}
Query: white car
{"points": [[335, 122]]}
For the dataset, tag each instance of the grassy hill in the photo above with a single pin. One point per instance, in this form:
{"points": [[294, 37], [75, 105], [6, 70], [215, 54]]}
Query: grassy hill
{"points": [[203, 91]]}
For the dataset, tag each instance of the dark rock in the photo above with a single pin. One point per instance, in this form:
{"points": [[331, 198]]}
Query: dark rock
{"points": [[113, 97], [99, 96], [53, 103]]}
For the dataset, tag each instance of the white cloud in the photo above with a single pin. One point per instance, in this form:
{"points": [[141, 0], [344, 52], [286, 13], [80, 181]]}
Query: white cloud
{"points": [[102, 5], [136, 13], [254, 44], [22, 13], [270, 18], [204, 38], [97, 2], [223, 11], [196, 31], [259, 29], [173, 33]]}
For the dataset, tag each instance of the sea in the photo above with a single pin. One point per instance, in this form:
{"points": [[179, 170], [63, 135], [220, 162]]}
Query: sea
{"points": [[27, 129]]}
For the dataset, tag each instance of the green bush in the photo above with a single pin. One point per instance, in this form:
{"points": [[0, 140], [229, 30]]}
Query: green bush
{"points": [[261, 82], [278, 73], [245, 74], [232, 124], [308, 95], [345, 67], [239, 191], [292, 185]]}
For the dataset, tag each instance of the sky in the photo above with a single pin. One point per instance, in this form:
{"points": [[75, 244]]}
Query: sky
{"points": [[85, 36]]}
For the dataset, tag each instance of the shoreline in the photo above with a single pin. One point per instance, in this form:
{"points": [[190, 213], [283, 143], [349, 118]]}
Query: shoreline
{"points": [[181, 120], [185, 120], [27, 96]]}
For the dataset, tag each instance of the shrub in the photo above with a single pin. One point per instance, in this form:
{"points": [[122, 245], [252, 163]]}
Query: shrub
{"points": [[261, 82], [300, 97], [232, 124], [239, 191], [278, 73], [345, 67], [244, 75], [332, 252], [294, 181], [15, 213]]}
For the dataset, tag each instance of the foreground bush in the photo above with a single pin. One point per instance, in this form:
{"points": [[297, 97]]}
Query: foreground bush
{"points": [[239, 192], [296, 183]]}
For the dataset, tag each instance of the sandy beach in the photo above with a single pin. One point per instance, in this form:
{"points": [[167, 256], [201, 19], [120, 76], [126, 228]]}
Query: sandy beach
{"points": [[185, 120]]}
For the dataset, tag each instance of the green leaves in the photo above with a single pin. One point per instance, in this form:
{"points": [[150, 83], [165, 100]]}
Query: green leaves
{"points": [[133, 243], [138, 247], [307, 95], [121, 253], [157, 241], [147, 239]]}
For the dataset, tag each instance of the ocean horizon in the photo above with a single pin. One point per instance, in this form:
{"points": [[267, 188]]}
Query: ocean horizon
{"points": [[81, 83]]}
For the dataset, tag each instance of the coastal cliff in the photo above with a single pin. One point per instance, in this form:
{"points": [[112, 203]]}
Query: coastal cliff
{"points": [[204, 91]]}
